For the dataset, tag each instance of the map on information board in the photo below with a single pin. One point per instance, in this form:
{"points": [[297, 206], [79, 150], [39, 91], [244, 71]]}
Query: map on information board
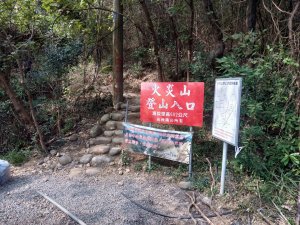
{"points": [[226, 115]]}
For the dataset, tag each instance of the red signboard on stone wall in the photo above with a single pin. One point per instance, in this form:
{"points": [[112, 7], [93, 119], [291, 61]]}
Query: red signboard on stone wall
{"points": [[179, 103]]}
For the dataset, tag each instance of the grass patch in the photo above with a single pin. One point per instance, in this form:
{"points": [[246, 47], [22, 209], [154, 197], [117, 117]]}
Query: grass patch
{"points": [[17, 157], [154, 166], [126, 159], [138, 167]]}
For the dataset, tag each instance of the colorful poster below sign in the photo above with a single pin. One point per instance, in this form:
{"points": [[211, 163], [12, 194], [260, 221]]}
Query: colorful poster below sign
{"points": [[172, 145], [179, 103], [226, 116]]}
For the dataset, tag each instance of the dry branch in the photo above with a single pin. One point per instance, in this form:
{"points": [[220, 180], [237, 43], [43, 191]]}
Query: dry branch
{"points": [[290, 26], [264, 217], [212, 209], [282, 216], [194, 203], [213, 182]]}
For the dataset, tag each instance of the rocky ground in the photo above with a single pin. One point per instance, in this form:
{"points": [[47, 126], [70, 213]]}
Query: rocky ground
{"points": [[95, 199], [89, 176], [95, 195]]}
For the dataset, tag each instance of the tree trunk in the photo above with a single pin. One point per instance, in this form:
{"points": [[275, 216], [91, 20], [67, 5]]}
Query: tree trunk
{"points": [[295, 53], [220, 46], [292, 37], [155, 40], [38, 130], [190, 42], [118, 53], [32, 112], [18, 105], [144, 39], [251, 14]]}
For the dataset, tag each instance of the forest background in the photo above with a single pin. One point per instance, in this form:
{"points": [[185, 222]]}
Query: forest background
{"points": [[42, 42]]}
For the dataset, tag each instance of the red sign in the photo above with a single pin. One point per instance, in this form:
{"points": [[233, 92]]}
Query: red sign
{"points": [[179, 103]]}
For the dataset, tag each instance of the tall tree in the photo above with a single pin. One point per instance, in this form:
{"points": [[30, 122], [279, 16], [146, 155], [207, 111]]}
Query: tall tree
{"points": [[251, 14], [190, 41], [218, 51]]}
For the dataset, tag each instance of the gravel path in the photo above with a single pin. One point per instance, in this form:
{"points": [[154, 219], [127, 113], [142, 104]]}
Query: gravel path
{"points": [[93, 199]]}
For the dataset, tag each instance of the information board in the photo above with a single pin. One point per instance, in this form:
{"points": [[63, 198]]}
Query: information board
{"points": [[172, 145], [226, 116], [179, 103]]}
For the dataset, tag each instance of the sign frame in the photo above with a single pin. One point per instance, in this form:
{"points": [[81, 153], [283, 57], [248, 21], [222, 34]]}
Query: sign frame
{"points": [[238, 91], [166, 144]]}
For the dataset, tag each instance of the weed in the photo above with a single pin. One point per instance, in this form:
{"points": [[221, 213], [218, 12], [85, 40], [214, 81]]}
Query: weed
{"points": [[177, 173], [138, 167], [17, 157], [126, 160], [201, 183], [154, 166], [106, 69], [137, 69], [69, 124]]}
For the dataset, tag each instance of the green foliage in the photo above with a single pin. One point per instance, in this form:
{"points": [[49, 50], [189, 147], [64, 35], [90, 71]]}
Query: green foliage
{"points": [[125, 158], [141, 57], [68, 126], [17, 157], [200, 68], [140, 53], [281, 188], [137, 69], [179, 171], [106, 69], [56, 59], [269, 123], [138, 167], [201, 182], [12, 133], [154, 167]]}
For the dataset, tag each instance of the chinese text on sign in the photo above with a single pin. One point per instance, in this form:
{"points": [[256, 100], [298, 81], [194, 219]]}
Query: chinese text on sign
{"points": [[179, 103]]}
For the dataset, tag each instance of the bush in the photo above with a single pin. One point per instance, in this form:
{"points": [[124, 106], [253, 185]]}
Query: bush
{"points": [[17, 157], [269, 122]]}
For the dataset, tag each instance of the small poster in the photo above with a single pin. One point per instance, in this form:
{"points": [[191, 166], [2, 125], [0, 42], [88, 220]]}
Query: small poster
{"points": [[179, 103], [172, 145], [226, 115]]}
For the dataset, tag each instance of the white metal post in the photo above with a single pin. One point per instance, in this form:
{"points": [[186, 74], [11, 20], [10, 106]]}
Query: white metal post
{"points": [[190, 159], [224, 160], [149, 157]]}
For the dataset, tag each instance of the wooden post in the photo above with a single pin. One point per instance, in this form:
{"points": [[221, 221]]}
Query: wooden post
{"points": [[118, 52]]}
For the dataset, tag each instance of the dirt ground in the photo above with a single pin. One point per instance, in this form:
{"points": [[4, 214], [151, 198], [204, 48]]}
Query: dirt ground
{"points": [[114, 194], [104, 198]]}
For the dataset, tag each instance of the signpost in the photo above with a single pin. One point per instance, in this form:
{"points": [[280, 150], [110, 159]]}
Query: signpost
{"points": [[226, 117], [179, 103]]}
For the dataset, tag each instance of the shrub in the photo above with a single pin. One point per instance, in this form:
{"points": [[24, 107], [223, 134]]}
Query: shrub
{"points": [[269, 122]]}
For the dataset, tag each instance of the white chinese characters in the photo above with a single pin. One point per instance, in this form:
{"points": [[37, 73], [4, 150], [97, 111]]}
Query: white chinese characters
{"points": [[170, 92], [150, 103], [155, 90], [185, 92]]}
